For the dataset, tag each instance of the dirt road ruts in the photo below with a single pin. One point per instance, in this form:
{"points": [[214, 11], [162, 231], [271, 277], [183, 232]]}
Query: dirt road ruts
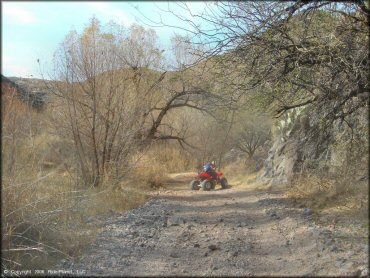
{"points": [[232, 232]]}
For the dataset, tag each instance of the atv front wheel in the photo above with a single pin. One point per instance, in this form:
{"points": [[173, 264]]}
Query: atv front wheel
{"points": [[206, 185], [194, 185], [224, 183]]}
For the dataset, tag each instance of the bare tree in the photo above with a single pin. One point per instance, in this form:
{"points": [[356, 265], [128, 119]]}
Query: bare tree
{"points": [[114, 99], [101, 100], [253, 133], [292, 53]]}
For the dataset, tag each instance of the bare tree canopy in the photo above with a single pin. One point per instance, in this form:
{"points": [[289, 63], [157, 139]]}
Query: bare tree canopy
{"points": [[253, 132], [292, 53], [115, 97]]}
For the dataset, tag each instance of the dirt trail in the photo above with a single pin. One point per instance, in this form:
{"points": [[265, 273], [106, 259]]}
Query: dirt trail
{"points": [[232, 232]]}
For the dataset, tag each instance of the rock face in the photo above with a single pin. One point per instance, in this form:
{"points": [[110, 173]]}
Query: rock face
{"points": [[6, 82], [306, 141], [31, 91]]}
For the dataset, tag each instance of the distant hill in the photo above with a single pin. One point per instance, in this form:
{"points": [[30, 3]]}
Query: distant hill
{"points": [[30, 90], [32, 84], [8, 82]]}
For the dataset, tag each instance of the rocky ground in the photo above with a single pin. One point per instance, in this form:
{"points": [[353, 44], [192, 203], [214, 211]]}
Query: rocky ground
{"points": [[232, 232]]}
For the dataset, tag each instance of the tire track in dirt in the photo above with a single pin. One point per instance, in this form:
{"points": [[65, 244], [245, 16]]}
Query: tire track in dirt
{"points": [[232, 232]]}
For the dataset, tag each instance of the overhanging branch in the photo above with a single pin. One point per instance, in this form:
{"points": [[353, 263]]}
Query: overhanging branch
{"points": [[281, 111]]}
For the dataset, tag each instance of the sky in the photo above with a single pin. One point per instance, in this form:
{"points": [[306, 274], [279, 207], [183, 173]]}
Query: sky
{"points": [[33, 30]]}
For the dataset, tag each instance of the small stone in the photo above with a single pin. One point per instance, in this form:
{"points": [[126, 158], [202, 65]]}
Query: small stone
{"points": [[235, 254], [174, 255], [189, 226], [340, 262], [365, 248], [205, 254], [89, 219], [348, 265], [175, 221], [316, 233], [196, 245], [333, 248], [113, 261], [307, 211], [221, 220], [214, 267], [213, 247]]}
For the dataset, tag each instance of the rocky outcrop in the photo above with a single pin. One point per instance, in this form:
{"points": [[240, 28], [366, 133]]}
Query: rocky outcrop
{"points": [[307, 141], [31, 91], [6, 82]]}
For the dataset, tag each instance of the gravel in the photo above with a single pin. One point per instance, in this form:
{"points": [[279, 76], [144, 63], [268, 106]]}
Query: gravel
{"points": [[219, 233]]}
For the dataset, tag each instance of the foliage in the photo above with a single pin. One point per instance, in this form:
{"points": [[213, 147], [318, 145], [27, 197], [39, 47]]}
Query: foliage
{"points": [[301, 53]]}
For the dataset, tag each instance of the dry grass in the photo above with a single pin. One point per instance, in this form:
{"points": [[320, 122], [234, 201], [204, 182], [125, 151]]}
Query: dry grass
{"points": [[151, 168], [35, 214], [45, 208], [50, 216], [345, 195], [240, 175]]}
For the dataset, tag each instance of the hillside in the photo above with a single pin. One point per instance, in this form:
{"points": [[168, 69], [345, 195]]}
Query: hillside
{"points": [[32, 84], [31, 90]]}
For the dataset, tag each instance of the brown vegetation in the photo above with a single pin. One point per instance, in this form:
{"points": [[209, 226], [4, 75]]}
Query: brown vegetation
{"points": [[118, 121]]}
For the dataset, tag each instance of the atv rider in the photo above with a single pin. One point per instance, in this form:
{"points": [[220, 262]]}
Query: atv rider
{"points": [[210, 169]]}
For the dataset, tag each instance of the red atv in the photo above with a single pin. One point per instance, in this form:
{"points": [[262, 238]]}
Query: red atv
{"points": [[205, 181]]}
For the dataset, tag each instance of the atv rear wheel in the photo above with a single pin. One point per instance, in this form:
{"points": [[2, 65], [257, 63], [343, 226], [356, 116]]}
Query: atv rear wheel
{"points": [[206, 185], [224, 183], [194, 185]]}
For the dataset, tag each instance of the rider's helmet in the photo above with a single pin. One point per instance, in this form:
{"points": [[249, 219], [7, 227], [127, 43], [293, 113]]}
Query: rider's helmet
{"points": [[213, 164], [207, 167]]}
